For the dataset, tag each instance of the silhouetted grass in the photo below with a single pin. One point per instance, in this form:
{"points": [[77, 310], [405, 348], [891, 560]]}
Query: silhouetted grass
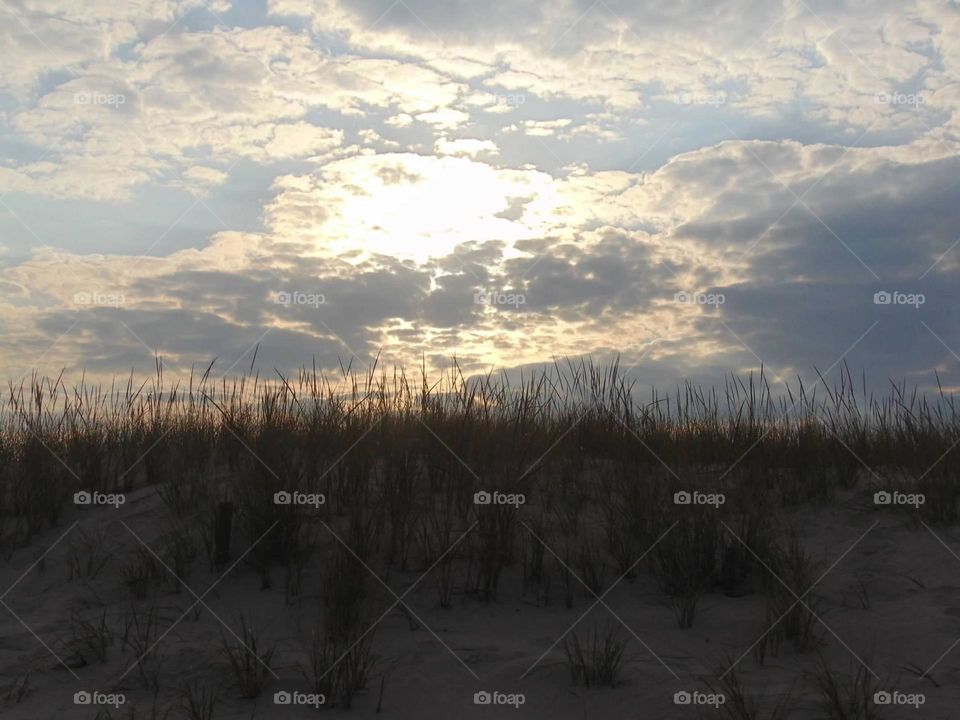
{"points": [[398, 460]]}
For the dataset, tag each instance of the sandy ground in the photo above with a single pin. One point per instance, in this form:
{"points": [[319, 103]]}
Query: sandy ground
{"points": [[913, 620]]}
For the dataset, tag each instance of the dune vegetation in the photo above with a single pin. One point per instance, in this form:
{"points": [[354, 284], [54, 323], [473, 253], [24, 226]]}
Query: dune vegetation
{"points": [[328, 490]]}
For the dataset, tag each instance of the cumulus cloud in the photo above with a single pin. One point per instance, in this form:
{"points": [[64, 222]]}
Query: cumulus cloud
{"points": [[836, 59], [223, 94], [466, 146]]}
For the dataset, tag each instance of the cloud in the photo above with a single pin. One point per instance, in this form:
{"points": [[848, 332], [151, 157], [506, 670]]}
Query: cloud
{"points": [[218, 95], [446, 118], [835, 59], [413, 162], [37, 38], [598, 258], [200, 179], [401, 120], [541, 128], [402, 204], [471, 147]]}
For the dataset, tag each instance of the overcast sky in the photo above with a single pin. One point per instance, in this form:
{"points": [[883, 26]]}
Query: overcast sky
{"points": [[699, 187]]}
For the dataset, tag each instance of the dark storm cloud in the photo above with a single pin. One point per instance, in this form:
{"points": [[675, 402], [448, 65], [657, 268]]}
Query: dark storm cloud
{"points": [[812, 279], [111, 339], [618, 272], [222, 314]]}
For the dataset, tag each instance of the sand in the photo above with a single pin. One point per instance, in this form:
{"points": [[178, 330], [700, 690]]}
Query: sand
{"points": [[433, 670]]}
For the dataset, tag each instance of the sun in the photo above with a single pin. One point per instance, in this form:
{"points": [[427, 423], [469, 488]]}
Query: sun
{"points": [[418, 207]]}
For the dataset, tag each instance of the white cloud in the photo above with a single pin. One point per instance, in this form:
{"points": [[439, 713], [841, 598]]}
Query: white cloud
{"points": [[38, 37], [402, 120], [229, 94], [833, 57], [470, 147], [201, 179], [541, 128], [444, 118]]}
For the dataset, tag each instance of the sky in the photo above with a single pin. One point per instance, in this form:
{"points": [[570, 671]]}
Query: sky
{"points": [[699, 188]]}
